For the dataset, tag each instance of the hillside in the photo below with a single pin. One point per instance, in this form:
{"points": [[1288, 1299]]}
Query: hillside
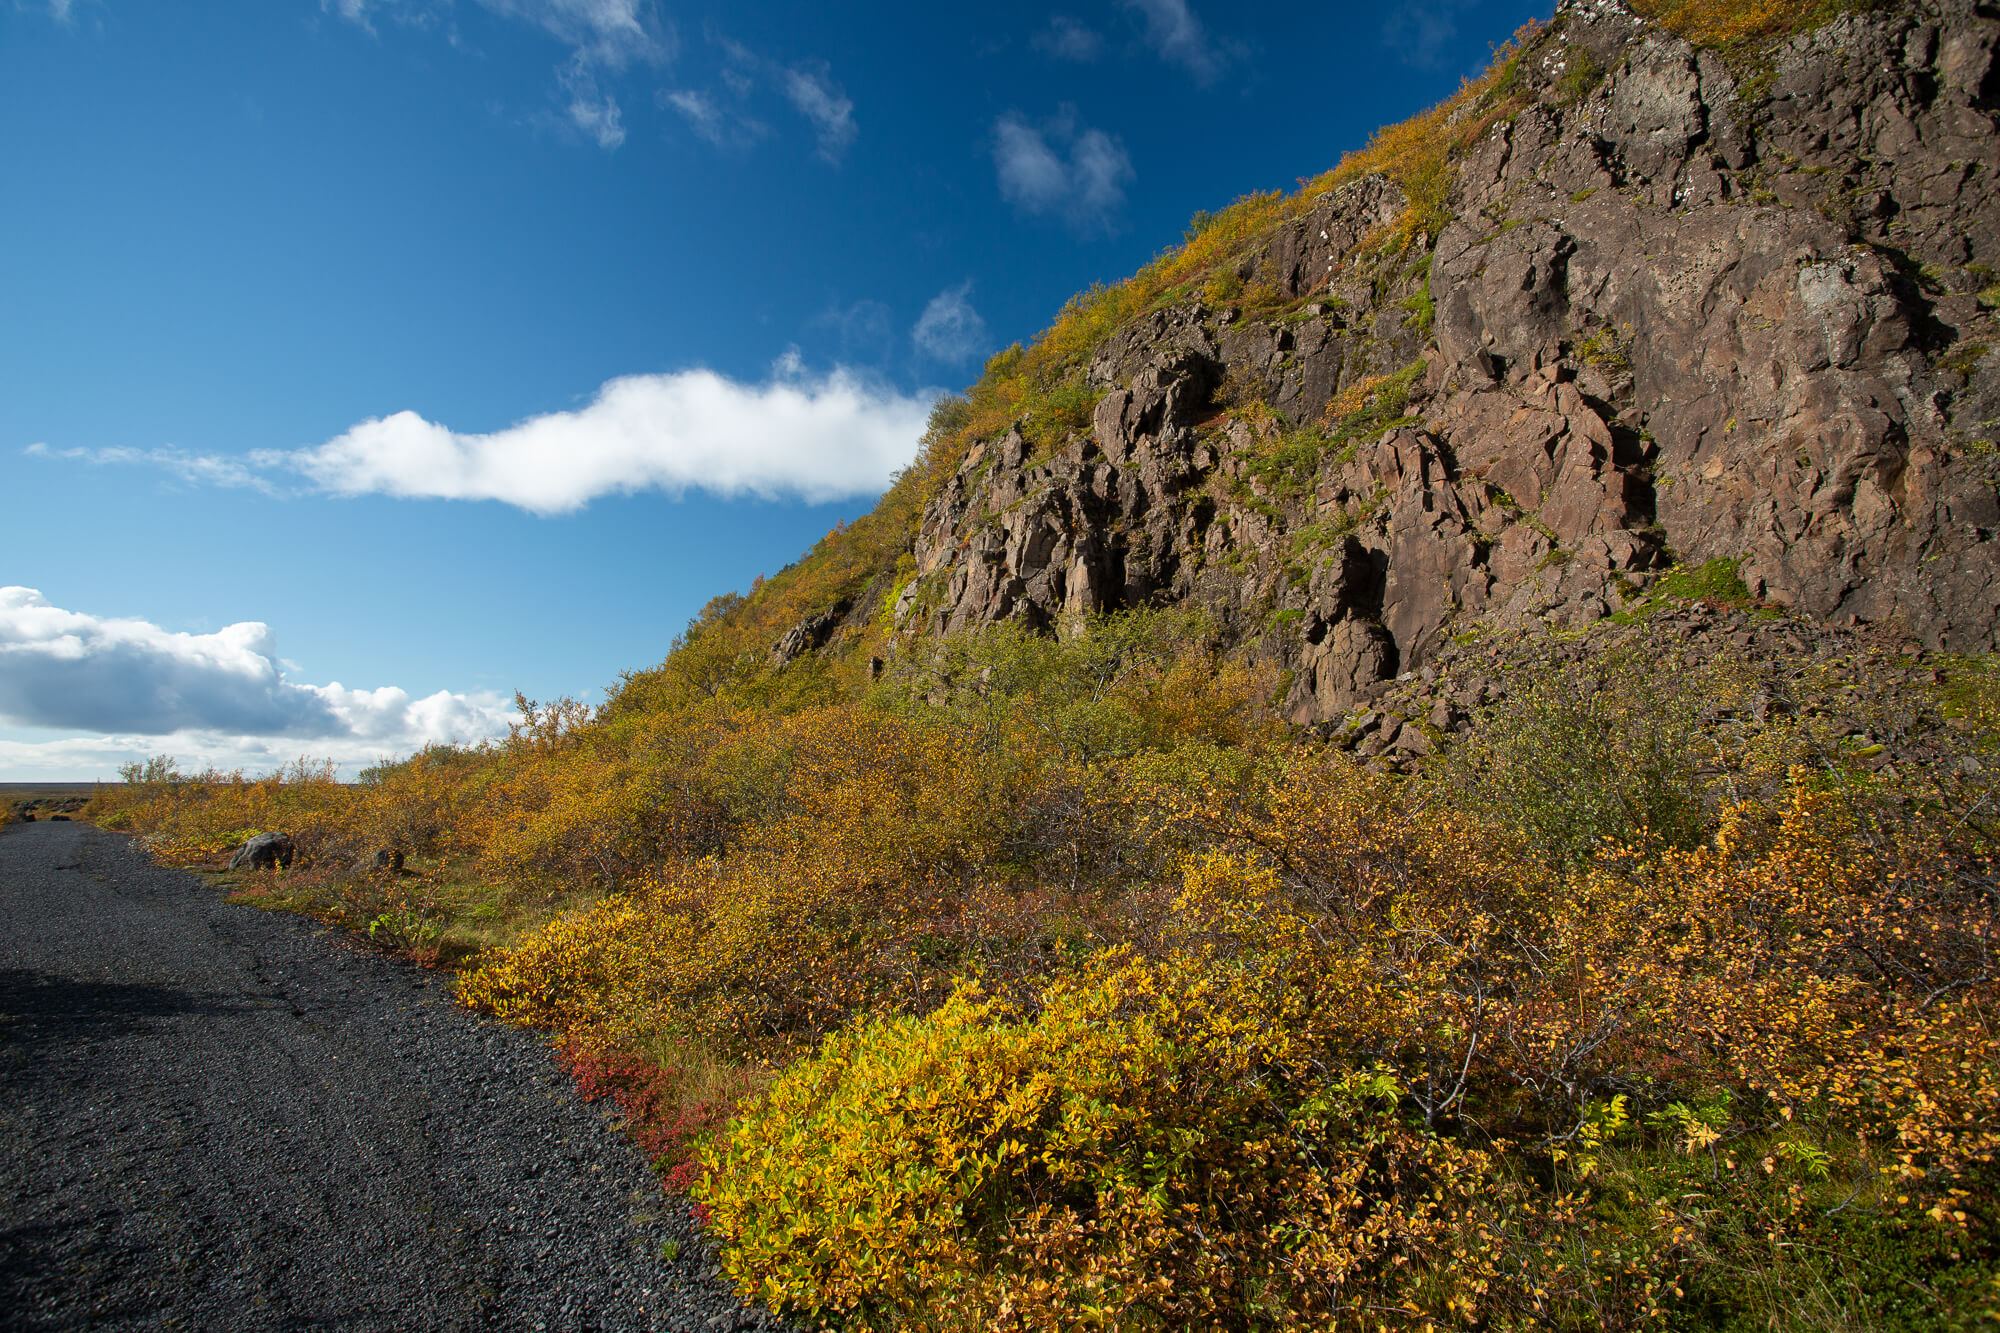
{"points": [[1426, 761], [1625, 303]]}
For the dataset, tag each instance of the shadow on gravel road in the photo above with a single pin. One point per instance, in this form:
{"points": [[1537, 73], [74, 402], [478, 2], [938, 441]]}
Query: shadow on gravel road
{"points": [[39, 1010]]}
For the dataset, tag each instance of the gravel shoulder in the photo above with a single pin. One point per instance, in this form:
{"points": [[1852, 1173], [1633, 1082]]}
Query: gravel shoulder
{"points": [[214, 1117]]}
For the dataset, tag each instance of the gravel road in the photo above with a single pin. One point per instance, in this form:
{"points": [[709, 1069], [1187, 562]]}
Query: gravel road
{"points": [[213, 1117]]}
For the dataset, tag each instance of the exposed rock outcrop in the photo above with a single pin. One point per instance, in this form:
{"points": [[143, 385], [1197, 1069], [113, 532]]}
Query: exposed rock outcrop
{"points": [[807, 635], [1680, 313]]}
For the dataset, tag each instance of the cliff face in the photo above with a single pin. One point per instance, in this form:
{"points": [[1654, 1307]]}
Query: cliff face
{"points": [[1679, 312]]}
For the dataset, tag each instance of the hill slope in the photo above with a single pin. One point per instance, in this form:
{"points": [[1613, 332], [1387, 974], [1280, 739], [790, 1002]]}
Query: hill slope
{"points": [[1105, 978], [1627, 301]]}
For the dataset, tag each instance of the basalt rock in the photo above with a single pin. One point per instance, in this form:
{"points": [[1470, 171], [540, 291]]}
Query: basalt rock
{"points": [[807, 635], [1680, 314], [384, 860], [264, 851]]}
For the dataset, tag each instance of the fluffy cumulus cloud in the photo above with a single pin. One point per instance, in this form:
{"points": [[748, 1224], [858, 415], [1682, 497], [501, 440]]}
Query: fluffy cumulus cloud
{"points": [[794, 436], [1062, 168], [950, 330], [217, 697]]}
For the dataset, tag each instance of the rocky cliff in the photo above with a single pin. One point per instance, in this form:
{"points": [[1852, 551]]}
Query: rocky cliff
{"points": [[1670, 307]]}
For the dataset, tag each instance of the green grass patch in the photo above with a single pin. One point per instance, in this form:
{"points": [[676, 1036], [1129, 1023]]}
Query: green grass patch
{"points": [[1715, 581]]}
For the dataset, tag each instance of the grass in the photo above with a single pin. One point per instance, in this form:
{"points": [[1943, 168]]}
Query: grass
{"points": [[1970, 691], [1606, 350], [1716, 581], [436, 914], [1963, 358], [1290, 459], [1741, 25]]}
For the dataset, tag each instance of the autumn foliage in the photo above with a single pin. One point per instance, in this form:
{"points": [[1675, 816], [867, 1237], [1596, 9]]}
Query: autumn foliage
{"points": [[1060, 989], [1034, 981]]}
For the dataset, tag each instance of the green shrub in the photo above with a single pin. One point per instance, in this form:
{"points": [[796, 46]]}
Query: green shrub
{"points": [[1607, 351], [1577, 754]]}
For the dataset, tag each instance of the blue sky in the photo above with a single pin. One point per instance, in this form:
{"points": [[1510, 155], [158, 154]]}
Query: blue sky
{"points": [[363, 361]]}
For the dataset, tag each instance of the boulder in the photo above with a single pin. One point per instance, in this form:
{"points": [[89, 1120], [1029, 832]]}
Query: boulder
{"points": [[265, 851]]}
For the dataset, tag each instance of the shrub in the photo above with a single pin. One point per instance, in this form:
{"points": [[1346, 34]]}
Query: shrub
{"points": [[1578, 755], [670, 1107], [1378, 1060], [1153, 1146]]}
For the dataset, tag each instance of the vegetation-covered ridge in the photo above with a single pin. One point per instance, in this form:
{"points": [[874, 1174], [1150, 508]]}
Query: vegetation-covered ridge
{"points": [[840, 598], [1066, 990], [1630, 969], [1043, 389]]}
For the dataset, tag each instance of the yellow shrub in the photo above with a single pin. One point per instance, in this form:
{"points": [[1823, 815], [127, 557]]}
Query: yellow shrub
{"points": [[1155, 1145], [196, 820], [604, 967], [855, 836]]}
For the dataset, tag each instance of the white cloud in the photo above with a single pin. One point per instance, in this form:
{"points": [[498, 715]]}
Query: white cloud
{"points": [[591, 110], [613, 33], [723, 126], [697, 106], [865, 329], [128, 682], [820, 101], [34, 756], [795, 436], [724, 117], [604, 37], [206, 469], [1062, 168], [354, 11], [1066, 38], [1178, 37], [950, 330]]}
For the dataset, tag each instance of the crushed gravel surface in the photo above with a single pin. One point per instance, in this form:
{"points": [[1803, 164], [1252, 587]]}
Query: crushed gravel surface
{"points": [[214, 1117]]}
